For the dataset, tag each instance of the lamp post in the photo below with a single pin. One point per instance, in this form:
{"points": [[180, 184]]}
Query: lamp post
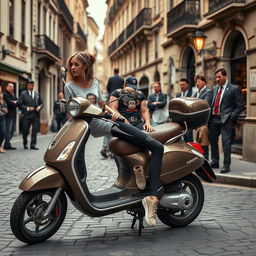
{"points": [[199, 39]]}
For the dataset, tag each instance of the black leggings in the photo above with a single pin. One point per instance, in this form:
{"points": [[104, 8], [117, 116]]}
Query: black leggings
{"points": [[137, 137]]}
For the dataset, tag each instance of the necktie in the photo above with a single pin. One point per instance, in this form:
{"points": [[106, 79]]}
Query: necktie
{"points": [[216, 107]]}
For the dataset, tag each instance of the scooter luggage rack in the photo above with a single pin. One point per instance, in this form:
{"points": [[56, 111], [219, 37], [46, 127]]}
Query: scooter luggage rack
{"points": [[138, 215]]}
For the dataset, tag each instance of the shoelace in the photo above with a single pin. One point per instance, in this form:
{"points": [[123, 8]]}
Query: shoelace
{"points": [[154, 208]]}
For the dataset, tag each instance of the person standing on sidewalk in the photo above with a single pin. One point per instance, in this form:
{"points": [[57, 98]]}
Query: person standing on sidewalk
{"points": [[185, 92], [157, 105], [11, 101], [226, 106], [114, 82], [31, 104], [203, 93], [59, 110], [3, 112]]}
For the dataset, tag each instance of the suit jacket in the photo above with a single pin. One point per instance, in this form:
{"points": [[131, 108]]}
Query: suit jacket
{"points": [[26, 101], [9, 98], [206, 94], [152, 98], [178, 95], [57, 107], [231, 104]]}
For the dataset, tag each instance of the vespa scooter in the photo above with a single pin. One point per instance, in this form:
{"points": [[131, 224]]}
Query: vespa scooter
{"points": [[40, 209]]}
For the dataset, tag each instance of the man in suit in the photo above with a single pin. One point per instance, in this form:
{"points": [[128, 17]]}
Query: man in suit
{"points": [[226, 106], [185, 92], [11, 101], [157, 101], [31, 104], [203, 93], [59, 110]]}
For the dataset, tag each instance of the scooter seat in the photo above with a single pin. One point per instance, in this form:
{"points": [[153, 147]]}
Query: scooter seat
{"points": [[162, 133]]}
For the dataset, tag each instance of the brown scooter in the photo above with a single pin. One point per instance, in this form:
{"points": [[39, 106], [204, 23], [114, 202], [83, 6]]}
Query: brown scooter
{"points": [[40, 209]]}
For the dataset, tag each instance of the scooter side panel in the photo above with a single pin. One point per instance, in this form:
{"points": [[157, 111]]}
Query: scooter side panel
{"points": [[179, 160], [44, 178]]}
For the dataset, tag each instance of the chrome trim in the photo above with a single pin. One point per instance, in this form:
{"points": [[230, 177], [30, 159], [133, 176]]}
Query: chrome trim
{"points": [[188, 114], [178, 136], [35, 171]]}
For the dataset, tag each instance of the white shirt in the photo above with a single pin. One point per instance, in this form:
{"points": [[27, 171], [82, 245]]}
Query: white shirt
{"points": [[184, 94], [199, 92]]}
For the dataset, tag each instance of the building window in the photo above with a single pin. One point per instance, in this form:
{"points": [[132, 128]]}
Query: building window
{"points": [[50, 26], [156, 45], [139, 5], [23, 21], [11, 18], [44, 23], [146, 4], [140, 56], [135, 62], [132, 14], [170, 4], [130, 61], [38, 18], [146, 53]]}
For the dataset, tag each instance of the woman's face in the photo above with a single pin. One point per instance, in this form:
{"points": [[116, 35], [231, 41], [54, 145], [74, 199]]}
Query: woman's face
{"points": [[1, 90], [200, 84], [77, 67]]}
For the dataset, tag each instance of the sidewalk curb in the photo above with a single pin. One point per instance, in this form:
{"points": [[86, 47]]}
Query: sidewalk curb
{"points": [[236, 180]]}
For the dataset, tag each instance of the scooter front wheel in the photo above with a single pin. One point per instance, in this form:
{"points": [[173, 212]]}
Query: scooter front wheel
{"points": [[181, 218], [27, 219]]}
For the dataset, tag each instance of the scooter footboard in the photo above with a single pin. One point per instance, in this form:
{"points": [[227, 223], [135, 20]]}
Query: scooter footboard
{"points": [[206, 172], [43, 178]]}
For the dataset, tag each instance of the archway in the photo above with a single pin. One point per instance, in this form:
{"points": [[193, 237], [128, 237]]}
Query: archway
{"points": [[187, 69], [234, 50], [144, 85], [157, 76]]}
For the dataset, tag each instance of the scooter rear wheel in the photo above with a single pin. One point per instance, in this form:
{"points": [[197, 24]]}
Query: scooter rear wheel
{"points": [[26, 219], [192, 185]]}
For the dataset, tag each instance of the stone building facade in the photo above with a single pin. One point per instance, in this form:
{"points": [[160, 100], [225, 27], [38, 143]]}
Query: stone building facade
{"points": [[153, 40]]}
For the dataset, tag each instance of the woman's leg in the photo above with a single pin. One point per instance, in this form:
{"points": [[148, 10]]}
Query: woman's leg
{"points": [[135, 136]]}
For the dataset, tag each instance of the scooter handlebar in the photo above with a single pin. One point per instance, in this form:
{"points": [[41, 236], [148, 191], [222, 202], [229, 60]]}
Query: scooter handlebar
{"points": [[109, 116]]}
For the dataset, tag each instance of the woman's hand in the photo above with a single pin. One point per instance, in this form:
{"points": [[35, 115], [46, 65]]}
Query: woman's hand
{"points": [[148, 127]]}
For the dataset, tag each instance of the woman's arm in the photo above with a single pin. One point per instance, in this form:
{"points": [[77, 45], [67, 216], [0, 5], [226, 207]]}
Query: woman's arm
{"points": [[115, 114]]}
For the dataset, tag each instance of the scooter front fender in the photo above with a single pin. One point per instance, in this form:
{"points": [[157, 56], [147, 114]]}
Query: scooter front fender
{"points": [[43, 178]]}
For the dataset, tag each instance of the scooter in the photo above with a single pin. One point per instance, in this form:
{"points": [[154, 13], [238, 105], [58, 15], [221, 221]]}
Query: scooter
{"points": [[40, 209]]}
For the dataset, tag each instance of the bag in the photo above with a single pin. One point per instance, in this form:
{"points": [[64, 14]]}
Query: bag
{"points": [[54, 125]]}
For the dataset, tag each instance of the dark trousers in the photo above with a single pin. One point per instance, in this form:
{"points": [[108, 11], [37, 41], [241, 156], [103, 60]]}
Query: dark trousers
{"points": [[216, 128], [26, 124], [10, 128], [2, 129], [61, 119]]}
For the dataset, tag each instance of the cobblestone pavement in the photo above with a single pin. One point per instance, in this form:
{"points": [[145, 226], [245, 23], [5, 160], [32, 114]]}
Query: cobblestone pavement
{"points": [[226, 225]]}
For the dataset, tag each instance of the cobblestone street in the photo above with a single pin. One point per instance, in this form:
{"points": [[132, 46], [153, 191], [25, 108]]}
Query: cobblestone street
{"points": [[226, 225]]}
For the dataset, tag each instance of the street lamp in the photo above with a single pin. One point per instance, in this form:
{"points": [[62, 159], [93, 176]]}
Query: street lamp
{"points": [[199, 39]]}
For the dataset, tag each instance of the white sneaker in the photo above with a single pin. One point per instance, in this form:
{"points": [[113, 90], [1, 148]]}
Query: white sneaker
{"points": [[150, 206], [140, 177]]}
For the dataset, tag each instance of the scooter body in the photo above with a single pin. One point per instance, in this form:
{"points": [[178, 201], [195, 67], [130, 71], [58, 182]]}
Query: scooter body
{"points": [[65, 170]]}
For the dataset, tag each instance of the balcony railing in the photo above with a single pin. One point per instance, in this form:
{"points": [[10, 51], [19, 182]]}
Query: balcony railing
{"points": [[66, 13], [43, 42], [114, 9], [81, 33], [186, 13], [215, 5], [143, 18]]}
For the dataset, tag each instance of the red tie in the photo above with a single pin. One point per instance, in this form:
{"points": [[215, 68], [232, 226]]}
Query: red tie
{"points": [[216, 107]]}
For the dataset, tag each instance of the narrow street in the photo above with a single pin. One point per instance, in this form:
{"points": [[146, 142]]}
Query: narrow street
{"points": [[226, 225]]}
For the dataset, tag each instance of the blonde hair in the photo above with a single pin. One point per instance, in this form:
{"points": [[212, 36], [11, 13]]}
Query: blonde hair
{"points": [[87, 59]]}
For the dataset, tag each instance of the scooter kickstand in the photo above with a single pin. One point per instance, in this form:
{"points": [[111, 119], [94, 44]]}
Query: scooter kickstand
{"points": [[137, 215]]}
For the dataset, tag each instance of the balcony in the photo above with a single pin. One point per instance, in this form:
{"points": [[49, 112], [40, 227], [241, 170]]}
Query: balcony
{"points": [[114, 9], [45, 46], [182, 18], [66, 13], [219, 9], [144, 18]]}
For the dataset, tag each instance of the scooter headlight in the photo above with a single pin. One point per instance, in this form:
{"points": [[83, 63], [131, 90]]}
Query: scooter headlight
{"points": [[73, 107]]}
